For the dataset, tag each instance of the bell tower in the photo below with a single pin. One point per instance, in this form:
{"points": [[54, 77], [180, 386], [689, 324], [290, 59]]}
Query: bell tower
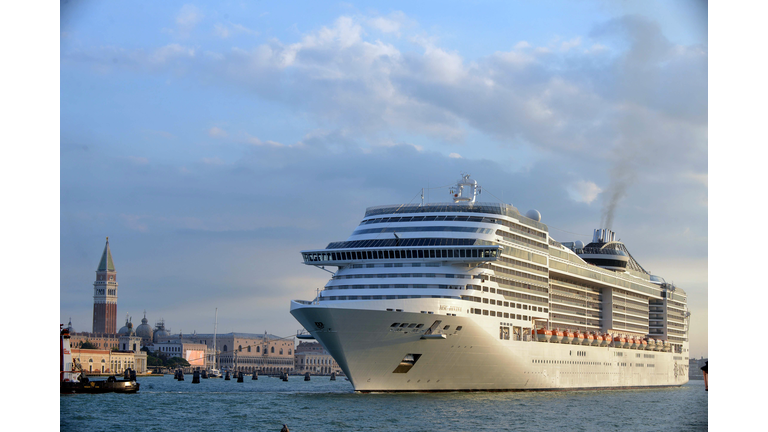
{"points": [[105, 295]]}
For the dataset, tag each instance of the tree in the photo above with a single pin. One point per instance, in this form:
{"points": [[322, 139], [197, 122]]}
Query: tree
{"points": [[88, 345], [175, 362]]}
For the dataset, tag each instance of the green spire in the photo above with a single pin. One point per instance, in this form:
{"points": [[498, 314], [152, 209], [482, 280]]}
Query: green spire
{"points": [[106, 263]]}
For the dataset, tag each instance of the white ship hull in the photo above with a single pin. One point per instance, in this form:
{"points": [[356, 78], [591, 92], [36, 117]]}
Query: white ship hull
{"points": [[369, 350]]}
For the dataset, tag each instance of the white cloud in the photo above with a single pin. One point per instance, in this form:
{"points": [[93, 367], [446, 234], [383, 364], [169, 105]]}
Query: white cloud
{"points": [[225, 30], [256, 141], [700, 178], [583, 191], [390, 24], [187, 18], [217, 132], [568, 45], [455, 156]]}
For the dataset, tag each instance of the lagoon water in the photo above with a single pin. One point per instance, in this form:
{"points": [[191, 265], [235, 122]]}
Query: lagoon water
{"points": [[164, 404]]}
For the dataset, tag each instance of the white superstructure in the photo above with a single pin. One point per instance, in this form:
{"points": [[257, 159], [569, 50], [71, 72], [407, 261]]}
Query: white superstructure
{"points": [[466, 295]]}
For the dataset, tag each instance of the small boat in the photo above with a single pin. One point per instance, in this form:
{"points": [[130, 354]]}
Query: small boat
{"points": [[557, 336], [588, 339], [72, 379], [596, 339], [607, 340], [543, 335], [578, 337], [620, 342], [650, 344], [643, 344], [567, 336]]}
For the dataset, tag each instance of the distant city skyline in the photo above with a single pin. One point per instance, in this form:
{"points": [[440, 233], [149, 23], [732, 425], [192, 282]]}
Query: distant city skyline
{"points": [[212, 142]]}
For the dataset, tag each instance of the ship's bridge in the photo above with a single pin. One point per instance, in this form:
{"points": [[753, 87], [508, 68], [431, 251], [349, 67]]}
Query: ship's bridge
{"points": [[426, 249]]}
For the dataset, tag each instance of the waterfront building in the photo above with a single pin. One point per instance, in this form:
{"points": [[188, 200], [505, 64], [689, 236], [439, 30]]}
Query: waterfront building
{"points": [[197, 354], [105, 294], [103, 341], [313, 358], [245, 352], [99, 361], [694, 368]]}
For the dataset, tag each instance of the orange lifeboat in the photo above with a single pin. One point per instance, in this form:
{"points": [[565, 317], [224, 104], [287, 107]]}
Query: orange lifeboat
{"points": [[567, 336], [643, 344], [620, 342], [543, 335], [607, 340], [588, 339], [557, 336], [578, 337], [596, 339], [633, 343]]}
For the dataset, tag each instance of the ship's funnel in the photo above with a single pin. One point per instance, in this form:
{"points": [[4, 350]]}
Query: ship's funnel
{"points": [[603, 236]]}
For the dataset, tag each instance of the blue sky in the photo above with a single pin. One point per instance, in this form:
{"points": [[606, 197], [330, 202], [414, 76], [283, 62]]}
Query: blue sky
{"points": [[212, 142]]}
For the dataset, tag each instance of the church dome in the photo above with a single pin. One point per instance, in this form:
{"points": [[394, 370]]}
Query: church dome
{"points": [[144, 331], [160, 331], [127, 329]]}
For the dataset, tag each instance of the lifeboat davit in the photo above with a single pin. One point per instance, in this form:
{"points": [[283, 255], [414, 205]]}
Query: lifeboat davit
{"points": [[578, 337], [607, 340], [596, 339], [567, 336], [588, 339], [557, 336], [543, 335]]}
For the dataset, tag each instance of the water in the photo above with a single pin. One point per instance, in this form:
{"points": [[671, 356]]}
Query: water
{"points": [[164, 404]]}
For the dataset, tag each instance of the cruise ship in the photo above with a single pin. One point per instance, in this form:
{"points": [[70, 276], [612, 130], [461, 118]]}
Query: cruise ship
{"points": [[472, 296]]}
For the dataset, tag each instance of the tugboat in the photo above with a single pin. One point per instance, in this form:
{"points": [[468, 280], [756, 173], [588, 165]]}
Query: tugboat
{"points": [[72, 379]]}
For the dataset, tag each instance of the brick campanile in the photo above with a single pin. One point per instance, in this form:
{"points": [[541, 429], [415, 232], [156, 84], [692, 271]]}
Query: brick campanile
{"points": [[105, 295]]}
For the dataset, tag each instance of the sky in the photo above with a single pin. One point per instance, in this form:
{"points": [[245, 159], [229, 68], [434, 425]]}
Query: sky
{"points": [[211, 142]]}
